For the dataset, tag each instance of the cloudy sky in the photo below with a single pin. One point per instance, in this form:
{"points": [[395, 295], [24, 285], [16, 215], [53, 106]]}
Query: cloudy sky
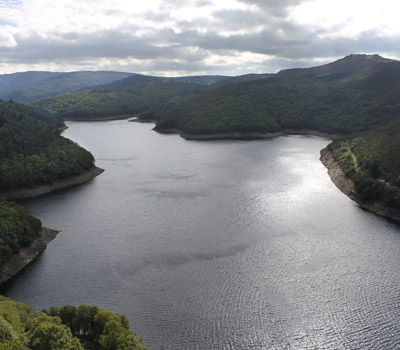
{"points": [[186, 37]]}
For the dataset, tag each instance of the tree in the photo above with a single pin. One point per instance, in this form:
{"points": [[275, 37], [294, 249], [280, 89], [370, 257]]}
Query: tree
{"points": [[50, 334]]}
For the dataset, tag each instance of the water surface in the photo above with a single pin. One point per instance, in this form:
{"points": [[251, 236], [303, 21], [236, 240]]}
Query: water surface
{"points": [[218, 245]]}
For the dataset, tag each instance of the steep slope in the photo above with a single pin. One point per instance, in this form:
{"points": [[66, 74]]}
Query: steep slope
{"points": [[334, 98], [59, 83]]}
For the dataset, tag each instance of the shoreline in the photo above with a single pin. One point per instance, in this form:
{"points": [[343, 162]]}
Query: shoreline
{"points": [[247, 135], [344, 184], [25, 256], [99, 119], [26, 192]]}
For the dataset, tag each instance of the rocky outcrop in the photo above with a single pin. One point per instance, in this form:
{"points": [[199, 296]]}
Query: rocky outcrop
{"points": [[337, 175], [18, 261], [26, 192]]}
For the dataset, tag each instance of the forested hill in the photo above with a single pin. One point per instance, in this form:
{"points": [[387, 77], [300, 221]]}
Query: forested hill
{"points": [[138, 94], [350, 95], [38, 114], [65, 328], [29, 86], [32, 153]]}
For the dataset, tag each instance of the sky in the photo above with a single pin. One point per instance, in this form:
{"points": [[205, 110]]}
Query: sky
{"points": [[192, 37]]}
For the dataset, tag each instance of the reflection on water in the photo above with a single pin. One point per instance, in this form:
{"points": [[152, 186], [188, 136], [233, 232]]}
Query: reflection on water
{"points": [[218, 245]]}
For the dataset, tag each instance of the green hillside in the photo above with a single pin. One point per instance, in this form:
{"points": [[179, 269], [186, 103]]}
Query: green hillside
{"points": [[54, 84], [369, 156], [38, 114], [32, 153], [65, 328], [131, 95], [93, 104], [145, 95], [341, 97]]}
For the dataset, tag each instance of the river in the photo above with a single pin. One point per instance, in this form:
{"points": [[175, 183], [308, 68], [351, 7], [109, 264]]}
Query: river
{"points": [[217, 245]]}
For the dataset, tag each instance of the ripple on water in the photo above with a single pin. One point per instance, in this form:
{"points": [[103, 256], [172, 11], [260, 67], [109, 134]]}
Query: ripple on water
{"points": [[215, 246]]}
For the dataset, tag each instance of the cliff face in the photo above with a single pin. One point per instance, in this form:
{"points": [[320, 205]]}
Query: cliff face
{"points": [[344, 184], [27, 255]]}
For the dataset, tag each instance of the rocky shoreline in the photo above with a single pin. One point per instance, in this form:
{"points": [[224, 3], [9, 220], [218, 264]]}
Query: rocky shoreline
{"points": [[246, 135], [18, 261], [26, 192], [344, 184]]}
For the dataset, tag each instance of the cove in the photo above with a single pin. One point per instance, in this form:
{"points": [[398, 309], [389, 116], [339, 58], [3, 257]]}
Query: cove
{"points": [[217, 245]]}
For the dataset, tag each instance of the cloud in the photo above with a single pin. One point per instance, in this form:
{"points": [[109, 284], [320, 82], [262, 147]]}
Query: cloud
{"points": [[6, 38], [179, 37]]}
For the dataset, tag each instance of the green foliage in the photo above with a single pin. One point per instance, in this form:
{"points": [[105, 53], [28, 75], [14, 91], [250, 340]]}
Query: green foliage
{"points": [[98, 329], [17, 228], [92, 104], [334, 98], [31, 153], [21, 328], [48, 333], [38, 114], [369, 156], [137, 94]]}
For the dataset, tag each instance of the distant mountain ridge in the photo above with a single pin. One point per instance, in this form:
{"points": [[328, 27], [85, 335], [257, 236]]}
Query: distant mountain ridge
{"points": [[29, 86], [17, 80]]}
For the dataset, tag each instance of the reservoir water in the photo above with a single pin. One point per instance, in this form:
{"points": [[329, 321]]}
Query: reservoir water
{"points": [[217, 245]]}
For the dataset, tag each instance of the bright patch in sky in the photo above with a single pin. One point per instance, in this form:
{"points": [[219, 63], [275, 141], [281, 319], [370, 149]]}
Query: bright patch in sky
{"points": [[351, 17]]}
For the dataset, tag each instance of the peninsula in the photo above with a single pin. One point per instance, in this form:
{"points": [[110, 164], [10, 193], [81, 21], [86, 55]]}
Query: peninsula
{"points": [[35, 160]]}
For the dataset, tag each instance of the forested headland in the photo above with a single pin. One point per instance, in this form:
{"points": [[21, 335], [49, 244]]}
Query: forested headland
{"points": [[33, 153]]}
